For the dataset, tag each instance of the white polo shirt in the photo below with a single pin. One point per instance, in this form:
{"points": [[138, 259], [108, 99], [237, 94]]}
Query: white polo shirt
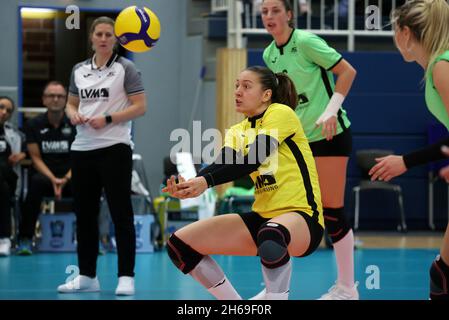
{"points": [[104, 91]]}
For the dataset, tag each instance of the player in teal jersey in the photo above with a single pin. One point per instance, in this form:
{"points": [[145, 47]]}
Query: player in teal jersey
{"points": [[422, 36], [311, 64]]}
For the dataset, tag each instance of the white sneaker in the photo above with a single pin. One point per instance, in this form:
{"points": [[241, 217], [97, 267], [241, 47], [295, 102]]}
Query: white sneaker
{"points": [[340, 292], [125, 286], [5, 247], [80, 284], [264, 295], [260, 296]]}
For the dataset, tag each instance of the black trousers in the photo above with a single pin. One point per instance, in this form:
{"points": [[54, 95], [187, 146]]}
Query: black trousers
{"points": [[40, 186], [92, 171], [8, 182]]}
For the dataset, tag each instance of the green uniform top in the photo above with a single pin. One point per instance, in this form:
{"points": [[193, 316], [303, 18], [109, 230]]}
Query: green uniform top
{"points": [[307, 59], [287, 180], [433, 98]]}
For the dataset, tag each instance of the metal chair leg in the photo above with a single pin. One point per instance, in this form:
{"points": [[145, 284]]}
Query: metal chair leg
{"points": [[431, 204], [356, 191], [402, 226]]}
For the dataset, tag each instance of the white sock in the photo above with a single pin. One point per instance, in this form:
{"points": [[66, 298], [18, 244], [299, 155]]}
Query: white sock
{"points": [[344, 253], [277, 280], [224, 291], [211, 276]]}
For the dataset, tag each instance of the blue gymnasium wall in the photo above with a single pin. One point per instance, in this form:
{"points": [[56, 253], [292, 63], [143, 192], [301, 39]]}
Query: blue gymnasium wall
{"points": [[387, 109]]}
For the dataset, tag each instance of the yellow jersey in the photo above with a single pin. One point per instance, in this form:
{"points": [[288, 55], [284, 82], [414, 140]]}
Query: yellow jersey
{"points": [[287, 180]]}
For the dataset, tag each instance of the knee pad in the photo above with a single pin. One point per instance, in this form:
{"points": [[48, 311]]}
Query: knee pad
{"points": [[439, 280], [337, 225], [272, 242], [184, 257]]}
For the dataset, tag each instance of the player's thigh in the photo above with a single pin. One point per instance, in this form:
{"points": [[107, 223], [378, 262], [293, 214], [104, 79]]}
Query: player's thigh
{"points": [[299, 232], [332, 178], [224, 234]]}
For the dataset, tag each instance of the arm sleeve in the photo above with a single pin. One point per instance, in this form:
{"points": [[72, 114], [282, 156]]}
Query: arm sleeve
{"points": [[231, 165], [321, 53], [426, 155]]}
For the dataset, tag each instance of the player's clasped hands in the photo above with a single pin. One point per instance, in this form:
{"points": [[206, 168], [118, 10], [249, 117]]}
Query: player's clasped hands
{"points": [[97, 122], [78, 118], [185, 189]]}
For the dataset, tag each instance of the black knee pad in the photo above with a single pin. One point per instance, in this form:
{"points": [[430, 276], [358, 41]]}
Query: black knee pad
{"points": [[272, 242], [183, 256], [337, 225], [439, 280]]}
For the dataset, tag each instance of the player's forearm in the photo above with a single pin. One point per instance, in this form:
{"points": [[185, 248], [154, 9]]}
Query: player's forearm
{"points": [[345, 80], [42, 168], [70, 110], [135, 110], [426, 155], [231, 165]]}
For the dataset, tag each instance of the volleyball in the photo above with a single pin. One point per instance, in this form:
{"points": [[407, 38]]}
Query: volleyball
{"points": [[137, 29]]}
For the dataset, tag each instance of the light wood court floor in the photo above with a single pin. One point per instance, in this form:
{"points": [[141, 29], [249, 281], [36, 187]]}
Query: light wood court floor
{"points": [[397, 240]]}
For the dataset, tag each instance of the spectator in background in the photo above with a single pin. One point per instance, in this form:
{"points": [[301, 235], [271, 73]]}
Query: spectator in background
{"points": [[11, 153], [49, 136], [304, 7]]}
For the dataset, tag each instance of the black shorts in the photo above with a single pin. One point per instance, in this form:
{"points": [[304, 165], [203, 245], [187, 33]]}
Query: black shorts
{"points": [[253, 221], [339, 146]]}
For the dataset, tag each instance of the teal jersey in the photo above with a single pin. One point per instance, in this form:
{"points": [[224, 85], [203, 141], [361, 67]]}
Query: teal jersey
{"points": [[433, 99], [307, 59]]}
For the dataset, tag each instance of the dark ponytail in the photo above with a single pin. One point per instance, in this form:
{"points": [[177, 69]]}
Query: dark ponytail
{"points": [[285, 91], [282, 87]]}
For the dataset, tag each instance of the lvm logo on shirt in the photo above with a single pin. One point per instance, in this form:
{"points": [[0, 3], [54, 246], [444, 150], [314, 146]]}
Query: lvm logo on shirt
{"points": [[55, 146], [95, 94]]}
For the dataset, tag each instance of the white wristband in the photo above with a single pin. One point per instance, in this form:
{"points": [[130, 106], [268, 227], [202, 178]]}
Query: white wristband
{"points": [[332, 108]]}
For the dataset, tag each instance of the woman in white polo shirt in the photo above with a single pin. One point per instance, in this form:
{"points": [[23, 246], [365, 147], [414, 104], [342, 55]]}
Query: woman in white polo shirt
{"points": [[105, 94]]}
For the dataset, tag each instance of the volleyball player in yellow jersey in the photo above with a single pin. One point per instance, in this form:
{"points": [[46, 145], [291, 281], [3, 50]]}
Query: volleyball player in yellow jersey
{"points": [[422, 36], [287, 218]]}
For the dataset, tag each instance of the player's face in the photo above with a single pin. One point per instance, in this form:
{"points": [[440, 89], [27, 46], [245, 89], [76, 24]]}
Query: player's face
{"points": [[402, 39], [103, 38], [54, 98], [275, 17], [6, 110], [250, 98]]}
